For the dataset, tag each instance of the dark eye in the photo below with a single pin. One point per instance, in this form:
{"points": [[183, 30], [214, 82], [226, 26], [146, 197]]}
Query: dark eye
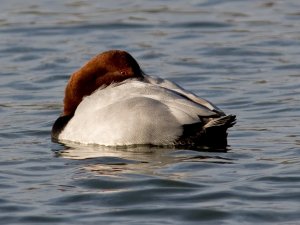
{"points": [[123, 73]]}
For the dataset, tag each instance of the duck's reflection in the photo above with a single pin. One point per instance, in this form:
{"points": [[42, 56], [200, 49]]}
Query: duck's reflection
{"points": [[136, 159]]}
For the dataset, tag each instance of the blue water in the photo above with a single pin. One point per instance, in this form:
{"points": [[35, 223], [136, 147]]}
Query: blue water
{"points": [[241, 55]]}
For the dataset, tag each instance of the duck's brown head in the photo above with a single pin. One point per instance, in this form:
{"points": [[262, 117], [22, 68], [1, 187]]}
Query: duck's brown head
{"points": [[102, 70]]}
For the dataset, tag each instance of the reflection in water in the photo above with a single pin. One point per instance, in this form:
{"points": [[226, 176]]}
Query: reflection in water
{"points": [[138, 159]]}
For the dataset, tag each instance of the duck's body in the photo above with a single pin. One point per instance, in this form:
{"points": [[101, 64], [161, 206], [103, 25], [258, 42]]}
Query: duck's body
{"points": [[136, 109]]}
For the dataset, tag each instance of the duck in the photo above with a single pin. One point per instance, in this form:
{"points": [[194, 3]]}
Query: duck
{"points": [[110, 101]]}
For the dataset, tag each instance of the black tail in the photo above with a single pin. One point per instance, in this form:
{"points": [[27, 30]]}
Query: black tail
{"points": [[223, 122], [210, 133]]}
